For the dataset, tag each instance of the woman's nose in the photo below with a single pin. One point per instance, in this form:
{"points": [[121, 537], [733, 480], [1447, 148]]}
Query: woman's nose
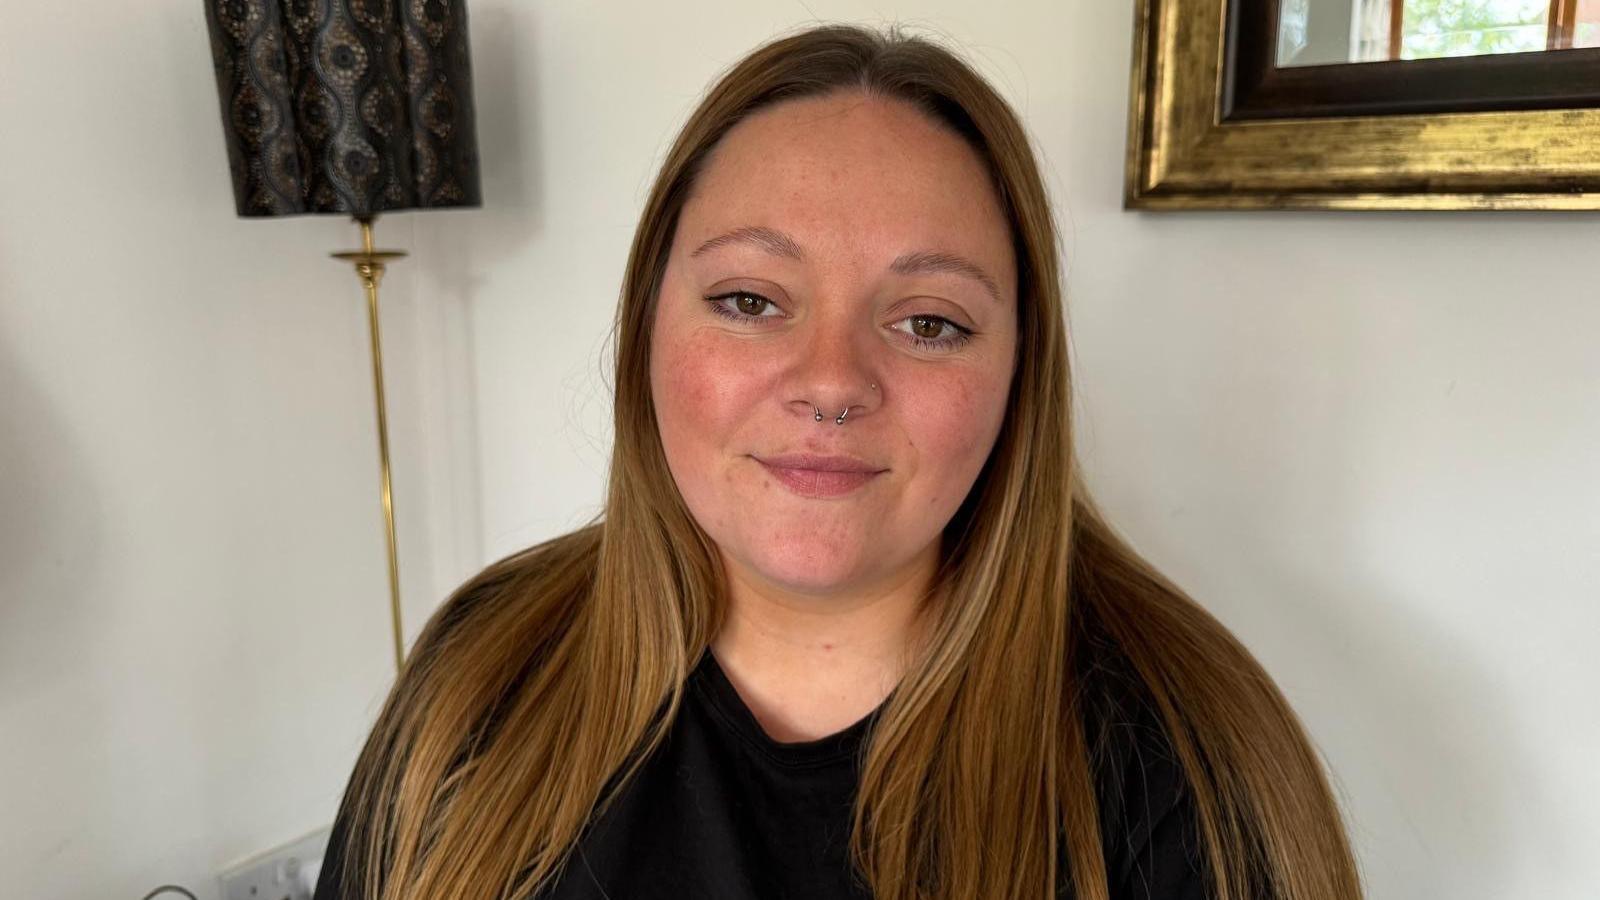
{"points": [[834, 376]]}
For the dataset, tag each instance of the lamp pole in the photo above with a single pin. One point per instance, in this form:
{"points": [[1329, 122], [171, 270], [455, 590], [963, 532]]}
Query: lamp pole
{"points": [[370, 265]]}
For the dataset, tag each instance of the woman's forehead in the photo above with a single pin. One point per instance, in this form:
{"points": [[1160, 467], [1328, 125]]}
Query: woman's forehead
{"points": [[845, 172]]}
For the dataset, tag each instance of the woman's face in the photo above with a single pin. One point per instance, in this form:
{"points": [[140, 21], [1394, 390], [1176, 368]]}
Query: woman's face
{"points": [[837, 253]]}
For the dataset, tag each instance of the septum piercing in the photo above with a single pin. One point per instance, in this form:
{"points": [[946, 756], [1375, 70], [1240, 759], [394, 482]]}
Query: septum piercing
{"points": [[817, 413]]}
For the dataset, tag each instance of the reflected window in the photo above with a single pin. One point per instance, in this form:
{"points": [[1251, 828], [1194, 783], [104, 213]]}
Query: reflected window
{"points": [[1432, 28], [1320, 32]]}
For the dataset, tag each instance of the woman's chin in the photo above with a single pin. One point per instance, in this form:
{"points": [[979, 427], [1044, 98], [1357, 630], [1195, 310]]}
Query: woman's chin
{"points": [[808, 574]]}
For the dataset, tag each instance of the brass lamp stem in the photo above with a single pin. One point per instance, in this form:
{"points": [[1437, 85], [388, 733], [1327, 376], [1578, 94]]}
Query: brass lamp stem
{"points": [[370, 266]]}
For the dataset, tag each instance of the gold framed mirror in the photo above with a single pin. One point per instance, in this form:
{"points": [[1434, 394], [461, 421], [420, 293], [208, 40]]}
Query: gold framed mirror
{"points": [[1365, 104]]}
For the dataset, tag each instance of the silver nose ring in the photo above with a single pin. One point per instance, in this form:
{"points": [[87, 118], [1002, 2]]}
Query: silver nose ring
{"points": [[817, 413]]}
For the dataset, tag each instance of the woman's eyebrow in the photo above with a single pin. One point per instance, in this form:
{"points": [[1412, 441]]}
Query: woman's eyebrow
{"points": [[769, 239], [921, 262], [936, 262]]}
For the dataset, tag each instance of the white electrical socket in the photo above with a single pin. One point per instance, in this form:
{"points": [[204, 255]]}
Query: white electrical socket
{"points": [[285, 873]]}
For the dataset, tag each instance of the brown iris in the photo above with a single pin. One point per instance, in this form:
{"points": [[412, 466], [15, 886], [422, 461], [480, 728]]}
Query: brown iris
{"points": [[927, 326]]}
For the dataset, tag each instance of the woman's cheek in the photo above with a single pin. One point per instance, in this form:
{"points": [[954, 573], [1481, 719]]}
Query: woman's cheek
{"points": [[952, 420], [707, 395], [711, 381], [942, 407]]}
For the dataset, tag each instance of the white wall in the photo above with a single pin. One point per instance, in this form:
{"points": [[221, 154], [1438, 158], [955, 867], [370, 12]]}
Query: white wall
{"points": [[1367, 441], [193, 606]]}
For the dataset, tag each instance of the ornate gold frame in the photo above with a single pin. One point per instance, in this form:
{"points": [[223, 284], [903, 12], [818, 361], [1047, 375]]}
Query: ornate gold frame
{"points": [[1180, 154]]}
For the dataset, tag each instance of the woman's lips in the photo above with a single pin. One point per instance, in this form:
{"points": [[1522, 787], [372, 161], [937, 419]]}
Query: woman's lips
{"points": [[820, 476]]}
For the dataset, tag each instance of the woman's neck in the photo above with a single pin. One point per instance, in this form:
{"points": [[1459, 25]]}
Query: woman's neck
{"points": [[810, 665]]}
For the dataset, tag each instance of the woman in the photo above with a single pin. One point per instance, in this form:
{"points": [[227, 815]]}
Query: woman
{"points": [[849, 625]]}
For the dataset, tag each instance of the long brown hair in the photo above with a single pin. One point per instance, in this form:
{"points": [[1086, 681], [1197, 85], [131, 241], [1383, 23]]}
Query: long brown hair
{"points": [[542, 683]]}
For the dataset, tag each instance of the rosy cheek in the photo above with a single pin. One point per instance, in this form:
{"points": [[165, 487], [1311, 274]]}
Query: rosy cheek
{"points": [[707, 393], [685, 390], [951, 423], [701, 384]]}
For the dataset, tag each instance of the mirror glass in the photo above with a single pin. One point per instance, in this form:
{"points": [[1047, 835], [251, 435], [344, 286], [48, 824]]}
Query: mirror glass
{"points": [[1327, 32]]}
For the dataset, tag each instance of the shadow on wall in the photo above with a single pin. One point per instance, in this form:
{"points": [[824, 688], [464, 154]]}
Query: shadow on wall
{"points": [[49, 544], [1429, 739], [457, 250], [53, 601], [512, 214]]}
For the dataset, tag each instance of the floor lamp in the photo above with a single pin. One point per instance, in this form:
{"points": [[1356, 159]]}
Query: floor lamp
{"points": [[355, 110]]}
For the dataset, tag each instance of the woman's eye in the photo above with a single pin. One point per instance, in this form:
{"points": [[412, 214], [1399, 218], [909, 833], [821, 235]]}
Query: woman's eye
{"points": [[742, 305], [933, 332], [925, 332]]}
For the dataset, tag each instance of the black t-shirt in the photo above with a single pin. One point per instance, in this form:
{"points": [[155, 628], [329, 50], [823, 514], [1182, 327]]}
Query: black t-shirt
{"points": [[721, 811]]}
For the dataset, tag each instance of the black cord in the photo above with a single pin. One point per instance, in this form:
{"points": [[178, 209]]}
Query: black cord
{"points": [[171, 887]]}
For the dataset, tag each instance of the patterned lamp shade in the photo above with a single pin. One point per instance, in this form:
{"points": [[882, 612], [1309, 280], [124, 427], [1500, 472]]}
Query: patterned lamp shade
{"points": [[345, 106]]}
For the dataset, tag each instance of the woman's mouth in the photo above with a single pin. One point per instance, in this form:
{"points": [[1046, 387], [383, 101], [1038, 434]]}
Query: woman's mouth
{"points": [[820, 476]]}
